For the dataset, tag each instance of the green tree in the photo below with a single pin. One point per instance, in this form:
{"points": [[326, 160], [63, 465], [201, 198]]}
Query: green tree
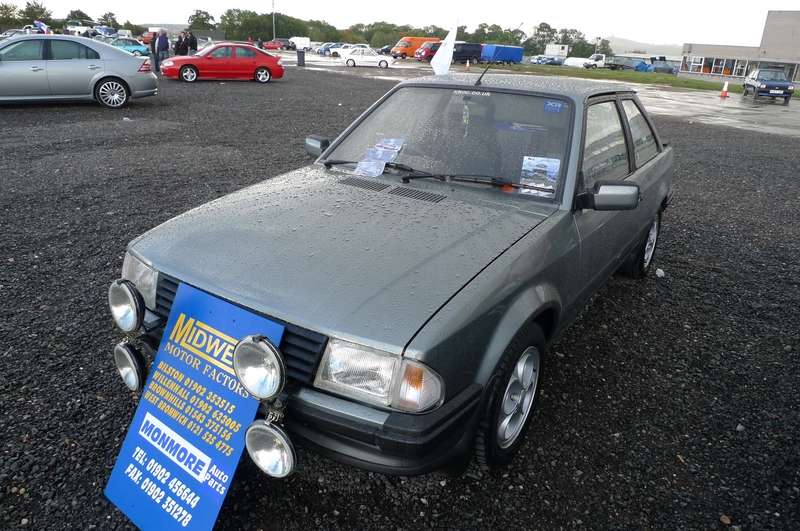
{"points": [[605, 48], [35, 11], [108, 19], [133, 28], [543, 34], [8, 14], [321, 31], [77, 14], [201, 20]]}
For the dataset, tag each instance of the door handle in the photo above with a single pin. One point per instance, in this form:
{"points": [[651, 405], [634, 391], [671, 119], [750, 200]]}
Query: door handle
{"points": [[93, 67], [36, 68]]}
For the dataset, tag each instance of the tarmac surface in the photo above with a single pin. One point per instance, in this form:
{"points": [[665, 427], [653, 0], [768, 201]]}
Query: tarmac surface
{"points": [[671, 403]]}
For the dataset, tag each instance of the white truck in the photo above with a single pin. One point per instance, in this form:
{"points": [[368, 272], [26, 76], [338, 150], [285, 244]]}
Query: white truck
{"points": [[556, 50], [597, 60], [301, 43]]}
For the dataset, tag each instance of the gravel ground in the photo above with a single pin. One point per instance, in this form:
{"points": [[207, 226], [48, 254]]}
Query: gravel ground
{"points": [[672, 403]]}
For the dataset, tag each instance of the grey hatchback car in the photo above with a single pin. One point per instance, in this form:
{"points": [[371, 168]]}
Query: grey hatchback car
{"points": [[60, 67], [421, 267]]}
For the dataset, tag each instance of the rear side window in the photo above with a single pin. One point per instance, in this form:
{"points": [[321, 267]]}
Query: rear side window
{"points": [[22, 51], [245, 53], [66, 50], [644, 141], [605, 155]]}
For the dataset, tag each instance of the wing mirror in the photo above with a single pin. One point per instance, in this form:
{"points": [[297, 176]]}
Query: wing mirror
{"points": [[610, 195], [317, 144]]}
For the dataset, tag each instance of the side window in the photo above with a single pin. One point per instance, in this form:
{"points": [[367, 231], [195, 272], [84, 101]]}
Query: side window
{"points": [[22, 51], [245, 53], [644, 140], [605, 155], [221, 53], [66, 50]]}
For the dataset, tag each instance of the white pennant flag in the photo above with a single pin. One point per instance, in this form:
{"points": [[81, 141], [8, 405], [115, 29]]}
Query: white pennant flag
{"points": [[444, 55]]}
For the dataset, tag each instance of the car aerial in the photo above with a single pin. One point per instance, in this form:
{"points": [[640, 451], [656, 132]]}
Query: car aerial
{"points": [[60, 67], [420, 267], [224, 61], [772, 83], [131, 46], [360, 56]]}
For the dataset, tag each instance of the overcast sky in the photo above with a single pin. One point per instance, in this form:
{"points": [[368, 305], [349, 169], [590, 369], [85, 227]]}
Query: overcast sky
{"points": [[672, 22]]}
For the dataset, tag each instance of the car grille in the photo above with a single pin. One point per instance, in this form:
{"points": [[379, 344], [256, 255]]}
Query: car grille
{"points": [[301, 348]]}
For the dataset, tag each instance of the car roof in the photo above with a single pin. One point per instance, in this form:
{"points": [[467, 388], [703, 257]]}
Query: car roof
{"points": [[577, 89]]}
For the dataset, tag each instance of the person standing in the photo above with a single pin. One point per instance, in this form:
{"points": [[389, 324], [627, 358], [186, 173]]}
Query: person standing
{"points": [[154, 52], [192, 42], [162, 46], [182, 45]]}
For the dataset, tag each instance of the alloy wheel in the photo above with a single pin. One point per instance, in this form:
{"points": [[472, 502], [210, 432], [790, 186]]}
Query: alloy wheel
{"points": [[650, 244], [189, 74], [262, 75], [518, 397], [112, 94]]}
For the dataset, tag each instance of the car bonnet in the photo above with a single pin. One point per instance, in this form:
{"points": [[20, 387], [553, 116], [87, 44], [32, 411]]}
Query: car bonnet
{"points": [[367, 260]]}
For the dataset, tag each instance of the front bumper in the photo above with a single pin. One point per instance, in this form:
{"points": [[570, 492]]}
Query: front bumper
{"points": [[381, 441]]}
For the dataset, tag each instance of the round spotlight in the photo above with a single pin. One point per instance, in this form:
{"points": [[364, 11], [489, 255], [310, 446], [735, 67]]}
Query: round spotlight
{"points": [[259, 366], [130, 365], [270, 449], [127, 306]]}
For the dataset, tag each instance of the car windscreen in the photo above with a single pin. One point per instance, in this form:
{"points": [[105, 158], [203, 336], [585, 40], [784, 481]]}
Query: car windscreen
{"points": [[772, 75], [514, 137]]}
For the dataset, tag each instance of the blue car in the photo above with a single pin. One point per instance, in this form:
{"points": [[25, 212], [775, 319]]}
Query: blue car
{"points": [[771, 83], [131, 45]]}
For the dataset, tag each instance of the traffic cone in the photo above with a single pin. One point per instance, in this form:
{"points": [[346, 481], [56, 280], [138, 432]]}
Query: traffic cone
{"points": [[724, 93]]}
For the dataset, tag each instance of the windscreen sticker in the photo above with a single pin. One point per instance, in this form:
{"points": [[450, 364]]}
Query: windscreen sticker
{"points": [[541, 170], [391, 143], [553, 106], [380, 154], [520, 127], [370, 168]]}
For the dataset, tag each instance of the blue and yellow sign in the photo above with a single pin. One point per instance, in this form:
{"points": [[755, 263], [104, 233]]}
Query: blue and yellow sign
{"points": [[179, 457]]}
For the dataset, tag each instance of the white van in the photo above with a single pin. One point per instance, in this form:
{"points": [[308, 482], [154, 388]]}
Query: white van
{"points": [[301, 43], [597, 60]]}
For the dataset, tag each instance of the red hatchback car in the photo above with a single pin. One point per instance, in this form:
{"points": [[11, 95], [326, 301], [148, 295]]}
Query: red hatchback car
{"points": [[224, 61]]}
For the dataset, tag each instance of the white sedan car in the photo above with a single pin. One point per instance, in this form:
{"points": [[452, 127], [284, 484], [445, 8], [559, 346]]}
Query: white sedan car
{"points": [[364, 57]]}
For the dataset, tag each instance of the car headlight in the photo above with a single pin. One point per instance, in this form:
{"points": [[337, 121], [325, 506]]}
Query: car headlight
{"points": [[127, 307], [790, 87], [259, 366], [144, 277], [762, 85], [168, 63], [378, 377]]}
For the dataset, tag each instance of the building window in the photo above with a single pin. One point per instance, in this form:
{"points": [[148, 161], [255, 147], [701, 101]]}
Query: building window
{"points": [[685, 64], [740, 69], [697, 64], [708, 65]]}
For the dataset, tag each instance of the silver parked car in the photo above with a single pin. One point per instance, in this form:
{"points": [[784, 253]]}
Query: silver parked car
{"points": [[60, 67], [421, 267]]}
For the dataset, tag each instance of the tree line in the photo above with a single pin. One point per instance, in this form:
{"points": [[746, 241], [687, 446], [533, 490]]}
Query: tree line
{"points": [[240, 24]]}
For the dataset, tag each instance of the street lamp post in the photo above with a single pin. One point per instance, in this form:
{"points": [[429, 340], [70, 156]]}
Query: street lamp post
{"points": [[273, 20]]}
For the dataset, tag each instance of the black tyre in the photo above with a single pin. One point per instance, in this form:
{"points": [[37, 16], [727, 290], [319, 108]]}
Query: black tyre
{"points": [[111, 93], [263, 75], [350, 62], [786, 100], [383, 64], [511, 399], [188, 74], [639, 262]]}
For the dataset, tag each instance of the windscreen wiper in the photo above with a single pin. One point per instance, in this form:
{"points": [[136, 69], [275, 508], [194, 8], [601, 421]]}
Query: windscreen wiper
{"points": [[413, 173], [478, 179]]}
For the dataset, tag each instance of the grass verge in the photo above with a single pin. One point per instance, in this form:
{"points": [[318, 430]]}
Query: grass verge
{"points": [[627, 76]]}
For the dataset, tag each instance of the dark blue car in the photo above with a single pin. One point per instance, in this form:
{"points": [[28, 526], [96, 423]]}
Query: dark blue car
{"points": [[771, 83]]}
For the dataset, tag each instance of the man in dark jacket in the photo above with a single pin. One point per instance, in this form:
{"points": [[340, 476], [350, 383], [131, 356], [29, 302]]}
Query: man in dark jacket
{"points": [[182, 45], [192, 42], [154, 52], [162, 47]]}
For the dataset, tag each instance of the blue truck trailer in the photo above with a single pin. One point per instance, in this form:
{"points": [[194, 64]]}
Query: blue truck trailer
{"points": [[501, 53]]}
